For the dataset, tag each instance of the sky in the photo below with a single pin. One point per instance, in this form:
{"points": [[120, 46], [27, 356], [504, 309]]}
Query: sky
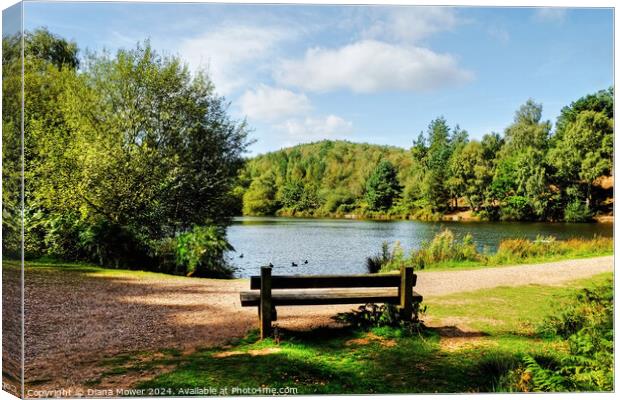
{"points": [[376, 74]]}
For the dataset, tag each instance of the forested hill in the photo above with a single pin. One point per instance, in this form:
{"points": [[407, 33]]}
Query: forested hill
{"points": [[315, 178], [534, 170]]}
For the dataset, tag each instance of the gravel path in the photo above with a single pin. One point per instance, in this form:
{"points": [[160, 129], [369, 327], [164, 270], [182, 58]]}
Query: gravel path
{"points": [[74, 320], [438, 283]]}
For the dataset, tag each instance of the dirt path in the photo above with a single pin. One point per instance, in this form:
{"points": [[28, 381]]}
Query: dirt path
{"points": [[75, 320]]}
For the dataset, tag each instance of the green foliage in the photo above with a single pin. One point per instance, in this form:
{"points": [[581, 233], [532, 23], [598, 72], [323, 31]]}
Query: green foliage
{"points": [[444, 247], [382, 187], [584, 153], [123, 153], [385, 315], [386, 256], [11, 145], [259, 199], [323, 178], [445, 250], [528, 173], [45, 46], [577, 211], [201, 252], [586, 324]]}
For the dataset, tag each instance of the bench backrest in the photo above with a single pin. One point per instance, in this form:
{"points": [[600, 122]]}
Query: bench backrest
{"points": [[331, 281]]}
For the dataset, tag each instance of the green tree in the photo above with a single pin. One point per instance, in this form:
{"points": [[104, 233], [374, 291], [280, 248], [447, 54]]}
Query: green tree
{"points": [[382, 187], [601, 101], [50, 64], [11, 145], [473, 173], [455, 182], [585, 152], [260, 198], [149, 151], [434, 190], [520, 180]]}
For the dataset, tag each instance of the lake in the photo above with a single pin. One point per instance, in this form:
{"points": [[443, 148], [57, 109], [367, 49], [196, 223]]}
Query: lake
{"points": [[340, 246]]}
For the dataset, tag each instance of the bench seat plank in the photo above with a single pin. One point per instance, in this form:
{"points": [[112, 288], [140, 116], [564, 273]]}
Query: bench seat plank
{"points": [[329, 281], [321, 297]]}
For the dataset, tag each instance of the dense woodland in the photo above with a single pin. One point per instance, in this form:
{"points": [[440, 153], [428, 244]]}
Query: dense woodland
{"points": [[131, 160], [533, 171]]}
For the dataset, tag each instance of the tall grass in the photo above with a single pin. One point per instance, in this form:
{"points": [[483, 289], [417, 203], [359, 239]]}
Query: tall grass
{"points": [[446, 250]]}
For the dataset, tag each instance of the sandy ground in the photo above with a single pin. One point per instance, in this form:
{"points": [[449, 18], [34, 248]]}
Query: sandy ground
{"points": [[74, 320]]}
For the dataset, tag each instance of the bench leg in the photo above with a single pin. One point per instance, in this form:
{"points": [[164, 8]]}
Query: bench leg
{"points": [[265, 303], [406, 293], [274, 313]]}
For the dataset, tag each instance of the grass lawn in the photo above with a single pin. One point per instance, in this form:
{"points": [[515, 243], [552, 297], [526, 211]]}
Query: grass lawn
{"points": [[477, 337], [88, 269]]}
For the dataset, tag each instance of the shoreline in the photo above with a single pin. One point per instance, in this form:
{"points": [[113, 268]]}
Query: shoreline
{"points": [[600, 219]]}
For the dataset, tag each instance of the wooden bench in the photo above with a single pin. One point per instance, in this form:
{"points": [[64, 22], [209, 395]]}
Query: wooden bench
{"points": [[393, 288]]}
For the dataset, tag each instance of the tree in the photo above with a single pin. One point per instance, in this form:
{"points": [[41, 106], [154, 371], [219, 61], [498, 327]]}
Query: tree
{"points": [[382, 187], [455, 183], [434, 189], [520, 180], [149, 151], [260, 198], [585, 152], [601, 101], [472, 172], [43, 45], [11, 145]]}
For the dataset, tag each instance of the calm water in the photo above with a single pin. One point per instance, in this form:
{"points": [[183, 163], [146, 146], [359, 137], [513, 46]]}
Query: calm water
{"points": [[337, 246]]}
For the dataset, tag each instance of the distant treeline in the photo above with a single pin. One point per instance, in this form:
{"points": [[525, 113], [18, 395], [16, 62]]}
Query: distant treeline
{"points": [[530, 172]]}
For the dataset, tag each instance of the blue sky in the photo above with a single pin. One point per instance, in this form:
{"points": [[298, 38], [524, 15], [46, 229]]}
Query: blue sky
{"points": [[367, 74]]}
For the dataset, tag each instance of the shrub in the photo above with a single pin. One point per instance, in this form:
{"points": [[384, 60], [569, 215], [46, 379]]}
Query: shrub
{"points": [[164, 255], [587, 326], [444, 247], [577, 211], [371, 316], [515, 250], [386, 260], [113, 245], [201, 252], [376, 262], [62, 237]]}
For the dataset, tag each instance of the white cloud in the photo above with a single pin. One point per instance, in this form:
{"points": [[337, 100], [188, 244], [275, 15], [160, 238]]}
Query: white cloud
{"points": [[371, 66], [550, 14], [230, 53], [410, 24], [267, 103], [311, 128]]}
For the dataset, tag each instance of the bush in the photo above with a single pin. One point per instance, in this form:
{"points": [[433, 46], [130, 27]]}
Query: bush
{"points": [[577, 211], [587, 326], [164, 255], [113, 245], [515, 250], [62, 238], [444, 247], [387, 260], [371, 316], [201, 252]]}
